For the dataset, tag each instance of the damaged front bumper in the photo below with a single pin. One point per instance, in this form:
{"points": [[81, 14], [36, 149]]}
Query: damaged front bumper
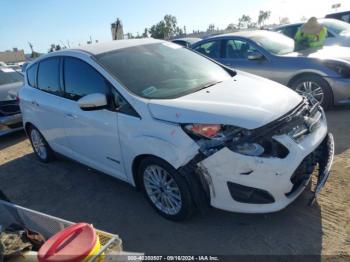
{"points": [[250, 184]]}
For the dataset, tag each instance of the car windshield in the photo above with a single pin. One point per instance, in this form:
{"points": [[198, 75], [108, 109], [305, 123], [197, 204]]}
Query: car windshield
{"points": [[8, 76], [336, 26], [275, 43], [162, 70]]}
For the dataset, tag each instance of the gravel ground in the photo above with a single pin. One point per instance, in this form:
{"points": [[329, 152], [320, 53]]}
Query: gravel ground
{"points": [[74, 192]]}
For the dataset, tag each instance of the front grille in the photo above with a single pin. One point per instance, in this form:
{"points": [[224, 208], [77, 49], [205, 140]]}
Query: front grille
{"points": [[9, 108], [305, 169]]}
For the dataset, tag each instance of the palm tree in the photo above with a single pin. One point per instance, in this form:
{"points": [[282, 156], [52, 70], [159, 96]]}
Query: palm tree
{"points": [[263, 16]]}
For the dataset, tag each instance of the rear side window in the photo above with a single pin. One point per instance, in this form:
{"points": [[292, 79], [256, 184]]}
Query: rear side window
{"points": [[48, 75], [81, 79], [290, 31], [31, 75], [211, 49]]}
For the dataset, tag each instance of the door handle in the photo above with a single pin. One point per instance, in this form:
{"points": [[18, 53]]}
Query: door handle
{"points": [[71, 116]]}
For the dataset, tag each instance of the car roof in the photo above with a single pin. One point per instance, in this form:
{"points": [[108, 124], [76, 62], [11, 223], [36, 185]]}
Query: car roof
{"points": [[338, 13], [245, 34], [190, 40], [321, 20], [104, 47]]}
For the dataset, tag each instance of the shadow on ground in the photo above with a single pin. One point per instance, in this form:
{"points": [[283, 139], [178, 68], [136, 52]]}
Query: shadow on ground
{"points": [[338, 123], [74, 192], [11, 139]]}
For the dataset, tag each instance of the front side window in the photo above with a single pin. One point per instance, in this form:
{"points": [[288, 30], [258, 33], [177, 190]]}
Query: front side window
{"points": [[49, 76], [121, 105], [31, 75], [9, 76], [81, 79], [238, 49], [210, 49], [161, 70]]}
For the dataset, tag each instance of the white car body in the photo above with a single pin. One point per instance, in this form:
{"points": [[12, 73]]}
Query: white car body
{"points": [[111, 142]]}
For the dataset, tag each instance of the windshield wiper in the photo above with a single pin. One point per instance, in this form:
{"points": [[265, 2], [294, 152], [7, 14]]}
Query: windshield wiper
{"points": [[206, 85]]}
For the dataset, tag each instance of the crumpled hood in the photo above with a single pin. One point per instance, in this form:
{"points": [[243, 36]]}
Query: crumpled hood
{"points": [[9, 91], [327, 52], [245, 101]]}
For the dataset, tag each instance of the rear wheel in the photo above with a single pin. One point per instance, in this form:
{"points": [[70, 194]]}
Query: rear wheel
{"points": [[41, 148], [165, 189], [315, 86]]}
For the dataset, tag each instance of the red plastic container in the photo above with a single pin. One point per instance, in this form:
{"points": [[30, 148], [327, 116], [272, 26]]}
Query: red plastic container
{"points": [[73, 244]]}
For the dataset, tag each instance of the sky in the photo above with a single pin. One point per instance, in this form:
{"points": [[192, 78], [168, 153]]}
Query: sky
{"points": [[73, 22]]}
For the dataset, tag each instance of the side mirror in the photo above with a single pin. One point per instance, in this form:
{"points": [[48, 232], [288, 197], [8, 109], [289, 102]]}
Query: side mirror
{"points": [[93, 101], [255, 55]]}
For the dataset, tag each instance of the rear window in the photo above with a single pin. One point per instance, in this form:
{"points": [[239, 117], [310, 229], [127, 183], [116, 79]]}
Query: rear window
{"points": [[31, 75], [48, 75], [9, 76]]}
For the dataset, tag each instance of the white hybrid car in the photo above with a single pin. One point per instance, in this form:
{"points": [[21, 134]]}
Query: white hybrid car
{"points": [[183, 128]]}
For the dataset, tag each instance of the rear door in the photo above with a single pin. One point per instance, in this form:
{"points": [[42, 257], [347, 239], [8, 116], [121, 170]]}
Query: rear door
{"points": [[46, 101], [92, 135]]}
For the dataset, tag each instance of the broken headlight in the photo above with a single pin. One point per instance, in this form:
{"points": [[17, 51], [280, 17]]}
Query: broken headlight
{"points": [[212, 137], [249, 149]]}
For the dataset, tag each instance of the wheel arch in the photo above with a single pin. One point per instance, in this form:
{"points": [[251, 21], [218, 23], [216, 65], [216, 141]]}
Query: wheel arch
{"points": [[135, 167], [27, 125], [299, 75], [302, 74]]}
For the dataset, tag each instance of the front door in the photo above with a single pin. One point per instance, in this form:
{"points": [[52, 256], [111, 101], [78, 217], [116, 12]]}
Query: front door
{"points": [[235, 54], [92, 135]]}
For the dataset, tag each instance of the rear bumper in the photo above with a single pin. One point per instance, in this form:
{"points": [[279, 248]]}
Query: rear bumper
{"points": [[10, 123], [341, 90]]}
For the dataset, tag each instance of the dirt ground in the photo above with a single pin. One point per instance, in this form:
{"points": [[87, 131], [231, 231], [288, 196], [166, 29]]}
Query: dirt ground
{"points": [[74, 192]]}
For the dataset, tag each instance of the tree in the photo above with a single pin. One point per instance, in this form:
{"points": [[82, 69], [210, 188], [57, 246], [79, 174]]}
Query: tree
{"points": [[231, 27], [33, 54], [158, 30], [211, 28], [129, 36], [244, 21], [284, 20], [145, 33], [170, 25], [165, 28], [263, 16]]}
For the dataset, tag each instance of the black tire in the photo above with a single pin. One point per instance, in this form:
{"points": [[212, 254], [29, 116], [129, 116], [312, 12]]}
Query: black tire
{"points": [[327, 91], [45, 158], [187, 207]]}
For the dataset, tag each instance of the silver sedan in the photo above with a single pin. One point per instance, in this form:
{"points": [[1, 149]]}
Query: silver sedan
{"points": [[323, 73]]}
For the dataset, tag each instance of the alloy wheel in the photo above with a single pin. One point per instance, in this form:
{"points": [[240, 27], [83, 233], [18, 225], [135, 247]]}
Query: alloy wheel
{"points": [[311, 88], [162, 190], [38, 144]]}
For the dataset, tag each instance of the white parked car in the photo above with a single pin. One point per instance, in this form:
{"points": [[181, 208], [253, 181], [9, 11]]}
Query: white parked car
{"points": [[185, 129], [10, 115]]}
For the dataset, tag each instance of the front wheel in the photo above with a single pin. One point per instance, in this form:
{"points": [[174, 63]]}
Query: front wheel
{"points": [[315, 86], [165, 189]]}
